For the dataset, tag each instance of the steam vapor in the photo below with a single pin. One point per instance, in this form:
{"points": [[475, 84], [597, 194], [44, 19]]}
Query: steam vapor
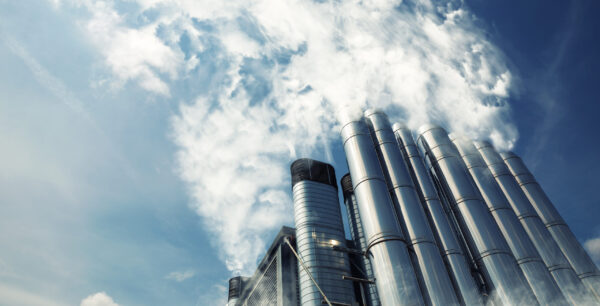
{"points": [[269, 80]]}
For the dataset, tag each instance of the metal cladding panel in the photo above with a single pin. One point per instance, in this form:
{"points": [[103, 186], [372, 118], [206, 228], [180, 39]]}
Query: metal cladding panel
{"points": [[438, 288], [318, 227], [500, 269], [358, 236], [394, 274], [549, 251], [543, 285], [457, 263], [570, 247]]}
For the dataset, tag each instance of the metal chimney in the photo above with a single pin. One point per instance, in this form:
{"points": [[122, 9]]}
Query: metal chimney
{"points": [[571, 248], [457, 262], [544, 287], [358, 236], [499, 266], [437, 287], [386, 246], [235, 289], [318, 230]]}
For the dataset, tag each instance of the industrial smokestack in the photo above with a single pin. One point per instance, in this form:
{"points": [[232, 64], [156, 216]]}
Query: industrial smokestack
{"points": [[318, 230], [541, 282], [437, 287], [358, 236], [553, 258], [576, 255], [454, 256], [235, 289], [386, 246], [493, 254]]}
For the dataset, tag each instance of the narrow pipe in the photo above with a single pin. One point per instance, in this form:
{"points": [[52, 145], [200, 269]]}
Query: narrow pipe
{"points": [[576, 255], [437, 287], [386, 246], [540, 280], [460, 270], [555, 261], [506, 281], [358, 236]]}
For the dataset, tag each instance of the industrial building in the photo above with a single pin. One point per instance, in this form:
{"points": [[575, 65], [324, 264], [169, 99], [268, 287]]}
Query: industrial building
{"points": [[434, 219]]}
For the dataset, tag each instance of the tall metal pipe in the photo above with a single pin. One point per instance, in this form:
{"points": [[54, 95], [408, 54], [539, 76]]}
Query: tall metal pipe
{"points": [[541, 282], [437, 287], [318, 230], [500, 270], [576, 255], [358, 236], [455, 259], [386, 246]]}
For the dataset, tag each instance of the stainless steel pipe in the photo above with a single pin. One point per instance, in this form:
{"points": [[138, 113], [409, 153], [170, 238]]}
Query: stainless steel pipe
{"points": [[458, 266], [541, 282], [360, 241], [500, 269], [437, 287], [386, 245], [576, 255]]}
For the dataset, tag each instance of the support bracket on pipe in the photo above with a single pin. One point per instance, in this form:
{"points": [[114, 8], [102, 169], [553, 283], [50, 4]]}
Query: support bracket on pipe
{"points": [[356, 279]]}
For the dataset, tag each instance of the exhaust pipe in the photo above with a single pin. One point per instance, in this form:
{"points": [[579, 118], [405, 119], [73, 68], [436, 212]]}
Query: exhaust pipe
{"points": [[500, 270], [576, 255], [541, 282], [437, 287], [386, 246]]}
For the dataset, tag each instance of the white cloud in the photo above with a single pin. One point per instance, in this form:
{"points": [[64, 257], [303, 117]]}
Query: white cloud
{"points": [[180, 276], [98, 299], [278, 74], [592, 245]]}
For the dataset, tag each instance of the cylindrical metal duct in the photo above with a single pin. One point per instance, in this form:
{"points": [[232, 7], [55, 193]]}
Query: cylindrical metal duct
{"points": [[571, 248], [549, 251], [457, 262], [235, 289], [499, 266], [358, 236], [319, 229], [544, 287], [437, 287], [386, 247]]}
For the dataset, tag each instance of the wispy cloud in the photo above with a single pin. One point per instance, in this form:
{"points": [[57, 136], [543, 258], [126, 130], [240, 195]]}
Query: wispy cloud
{"points": [[592, 245], [271, 78], [180, 276]]}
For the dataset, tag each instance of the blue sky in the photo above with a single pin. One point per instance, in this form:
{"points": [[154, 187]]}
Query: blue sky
{"points": [[145, 145]]}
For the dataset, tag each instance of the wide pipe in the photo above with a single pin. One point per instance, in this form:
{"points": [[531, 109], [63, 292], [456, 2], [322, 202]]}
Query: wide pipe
{"points": [[358, 236], [576, 255], [319, 228], [438, 288], [500, 270], [386, 246], [540, 280], [455, 259]]}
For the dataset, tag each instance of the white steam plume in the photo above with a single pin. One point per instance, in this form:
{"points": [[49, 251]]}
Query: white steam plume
{"points": [[269, 79]]}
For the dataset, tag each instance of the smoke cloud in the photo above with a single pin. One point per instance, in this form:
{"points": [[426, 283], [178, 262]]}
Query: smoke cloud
{"points": [[264, 82]]}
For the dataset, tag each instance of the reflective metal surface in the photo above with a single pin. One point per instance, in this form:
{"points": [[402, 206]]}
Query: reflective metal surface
{"points": [[387, 248], [578, 258], [318, 227], [500, 269], [437, 287], [541, 282], [358, 236], [453, 254]]}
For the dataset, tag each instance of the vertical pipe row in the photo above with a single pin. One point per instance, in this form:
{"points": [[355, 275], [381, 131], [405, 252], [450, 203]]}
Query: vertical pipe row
{"points": [[541, 282], [455, 259], [386, 245], [500, 269], [560, 231], [358, 236], [319, 227], [437, 287]]}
